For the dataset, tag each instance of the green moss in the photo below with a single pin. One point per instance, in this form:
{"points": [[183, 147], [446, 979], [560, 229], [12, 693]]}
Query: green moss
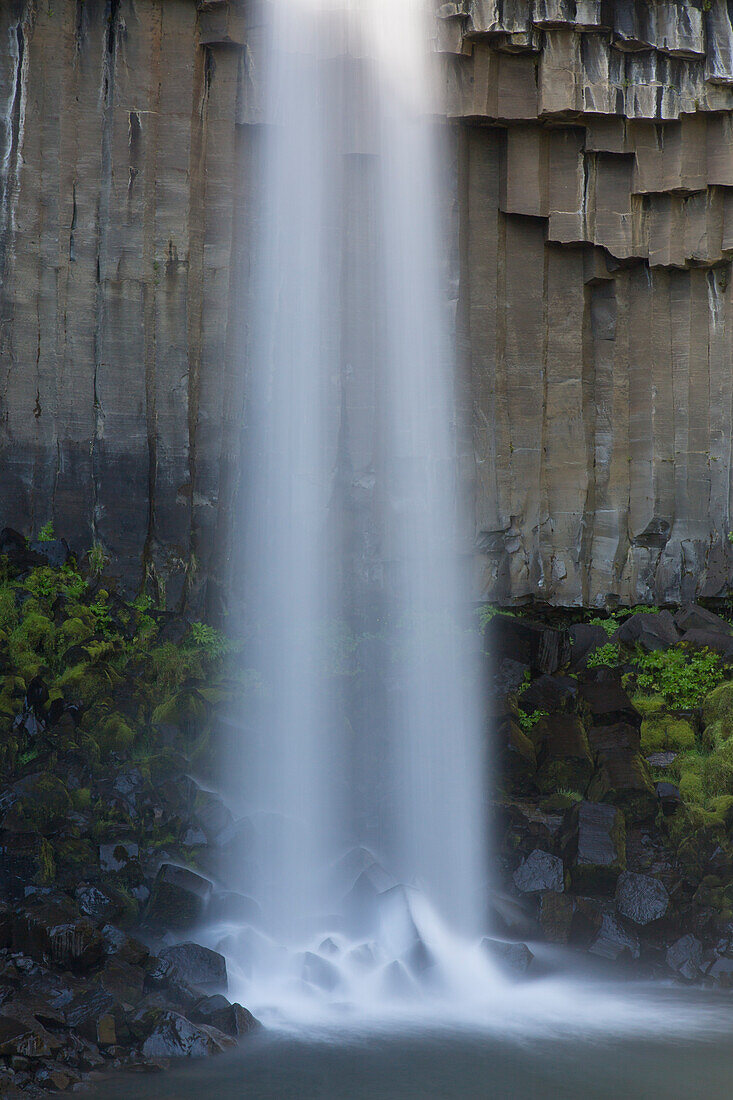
{"points": [[665, 732], [115, 735], [648, 705], [74, 631], [45, 863], [34, 635], [718, 707], [81, 798], [691, 787]]}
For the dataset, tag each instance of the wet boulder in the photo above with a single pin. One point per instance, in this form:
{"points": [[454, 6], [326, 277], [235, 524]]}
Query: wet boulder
{"points": [[173, 1036], [641, 898], [228, 906], [563, 754], [319, 971], [650, 629], [684, 957], [218, 1012], [614, 940], [608, 739], [53, 552], [115, 857], [540, 871], [197, 966], [179, 897], [513, 959], [94, 1015], [594, 846]]}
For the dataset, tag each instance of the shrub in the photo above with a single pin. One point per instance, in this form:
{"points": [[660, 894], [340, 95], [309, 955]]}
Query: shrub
{"points": [[682, 676], [609, 654]]}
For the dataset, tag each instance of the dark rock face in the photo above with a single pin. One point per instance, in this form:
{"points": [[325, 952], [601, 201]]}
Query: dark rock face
{"points": [[684, 957], [563, 755], [173, 1036]]}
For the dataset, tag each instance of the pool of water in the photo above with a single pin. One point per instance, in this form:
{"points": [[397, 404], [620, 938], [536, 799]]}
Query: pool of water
{"points": [[679, 1045]]}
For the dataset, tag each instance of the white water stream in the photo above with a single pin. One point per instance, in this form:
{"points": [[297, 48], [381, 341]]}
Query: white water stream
{"points": [[363, 772]]}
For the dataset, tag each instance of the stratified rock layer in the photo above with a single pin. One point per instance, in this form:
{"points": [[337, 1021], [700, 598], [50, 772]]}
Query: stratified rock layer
{"points": [[593, 167]]}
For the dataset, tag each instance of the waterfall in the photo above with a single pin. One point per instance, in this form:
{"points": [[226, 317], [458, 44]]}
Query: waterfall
{"points": [[361, 763]]}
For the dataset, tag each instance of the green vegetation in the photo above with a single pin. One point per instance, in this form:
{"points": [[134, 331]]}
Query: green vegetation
{"points": [[609, 654], [46, 533], [682, 676], [529, 721], [108, 657]]}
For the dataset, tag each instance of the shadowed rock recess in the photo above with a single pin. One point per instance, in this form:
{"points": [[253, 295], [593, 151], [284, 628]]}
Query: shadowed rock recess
{"points": [[591, 174]]}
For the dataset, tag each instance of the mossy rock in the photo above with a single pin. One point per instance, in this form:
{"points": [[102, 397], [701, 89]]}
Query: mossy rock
{"points": [[666, 733], [648, 705], [718, 706], [115, 735], [42, 808], [74, 631]]}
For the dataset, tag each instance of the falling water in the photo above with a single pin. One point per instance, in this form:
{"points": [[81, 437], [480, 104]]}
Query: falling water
{"points": [[362, 770]]}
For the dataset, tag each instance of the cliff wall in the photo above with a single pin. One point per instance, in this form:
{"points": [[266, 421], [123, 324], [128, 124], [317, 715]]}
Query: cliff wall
{"points": [[594, 199]]}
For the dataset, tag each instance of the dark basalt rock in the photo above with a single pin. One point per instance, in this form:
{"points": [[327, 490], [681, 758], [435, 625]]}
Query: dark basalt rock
{"points": [[179, 897], [513, 958], [641, 898], [650, 630], [669, 797], [173, 1036], [217, 1012], [694, 617], [541, 647], [604, 740], [54, 932], [605, 701], [197, 966], [714, 640], [685, 957], [549, 694], [584, 640], [614, 941], [623, 779], [556, 916], [230, 906], [594, 846], [539, 872], [563, 755]]}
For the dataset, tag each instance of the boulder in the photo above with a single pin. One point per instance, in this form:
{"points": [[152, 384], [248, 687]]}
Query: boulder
{"points": [[649, 629], [197, 966], [594, 846], [514, 959], [584, 639], [605, 701], [173, 1036], [179, 897], [19, 1039], [97, 903], [721, 971], [115, 857], [641, 898], [607, 739], [540, 871], [549, 694], [217, 1012], [623, 779], [719, 643], [53, 552], [669, 797], [226, 905], [52, 932], [320, 972], [614, 940], [541, 647], [685, 957], [517, 760], [94, 1015], [563, 755], [694, 617], [556, 916]]}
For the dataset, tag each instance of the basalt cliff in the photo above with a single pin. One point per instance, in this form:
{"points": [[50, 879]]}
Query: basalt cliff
{"points": [[590, 184]]}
